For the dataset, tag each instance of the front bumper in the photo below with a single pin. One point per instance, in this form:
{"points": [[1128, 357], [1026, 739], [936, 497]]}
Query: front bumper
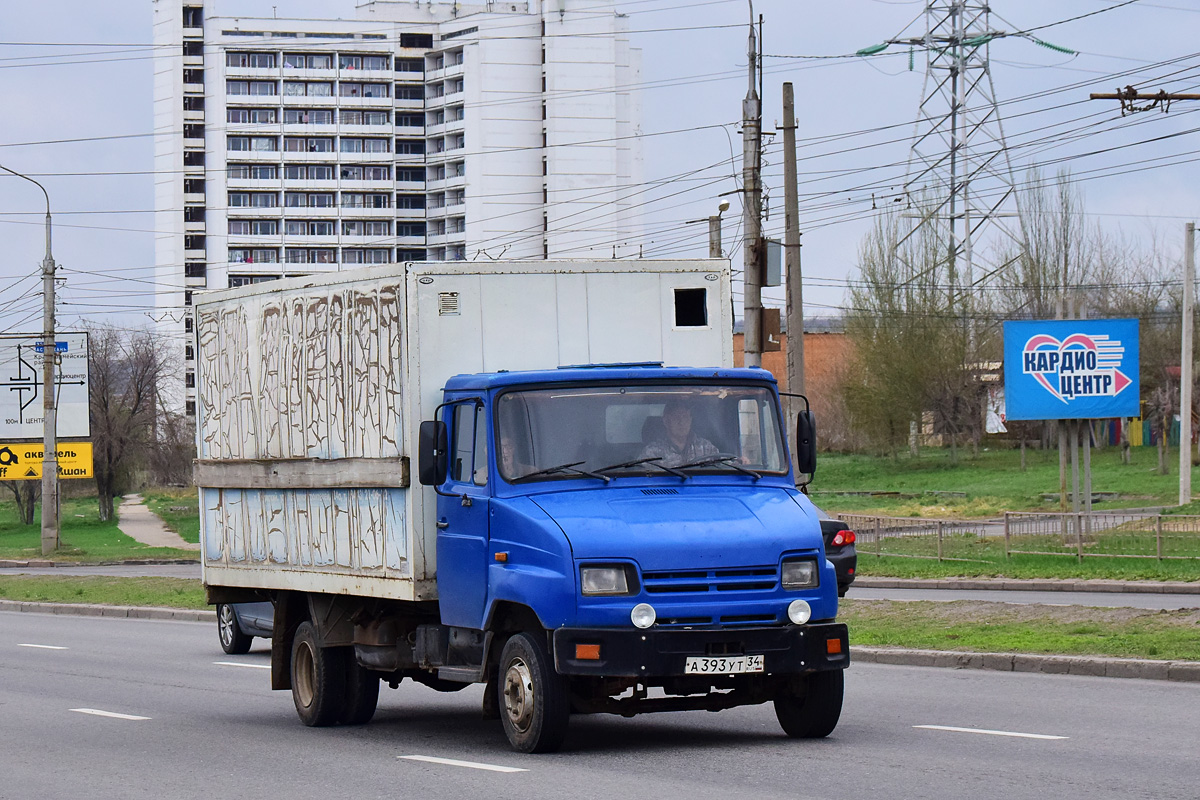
{"points": [[655, 652]]}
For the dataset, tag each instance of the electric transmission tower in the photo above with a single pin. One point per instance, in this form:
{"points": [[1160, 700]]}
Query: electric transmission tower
{"points": [[959, 180]]}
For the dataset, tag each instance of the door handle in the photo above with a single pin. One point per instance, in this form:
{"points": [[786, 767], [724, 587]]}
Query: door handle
{"points": [[442, 524]]}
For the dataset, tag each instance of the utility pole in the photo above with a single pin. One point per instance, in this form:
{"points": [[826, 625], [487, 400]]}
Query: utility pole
{"points": [[791, 248], [49, 416], [752, 210], [1185, 367]]}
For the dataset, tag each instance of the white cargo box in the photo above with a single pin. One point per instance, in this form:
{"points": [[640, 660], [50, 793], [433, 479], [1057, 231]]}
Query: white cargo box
{"points": [[310, 392]]}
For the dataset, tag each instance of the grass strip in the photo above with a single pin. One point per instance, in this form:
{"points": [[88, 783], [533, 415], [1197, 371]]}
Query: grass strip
{"points": [[179, 509], [1031, 568], [1008, 628], [104, 590], [83, 537]]}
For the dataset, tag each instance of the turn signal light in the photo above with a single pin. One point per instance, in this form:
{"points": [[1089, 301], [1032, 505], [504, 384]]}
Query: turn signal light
{"points": [[833, 647], [587, 652]]}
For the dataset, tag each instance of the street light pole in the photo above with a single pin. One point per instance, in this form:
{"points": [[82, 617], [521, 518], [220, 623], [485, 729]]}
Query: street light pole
{"points": [[49, 414]]}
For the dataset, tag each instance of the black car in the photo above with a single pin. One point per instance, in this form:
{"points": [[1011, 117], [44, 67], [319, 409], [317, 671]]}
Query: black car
{"points": [[839, 549], [239, 623]]}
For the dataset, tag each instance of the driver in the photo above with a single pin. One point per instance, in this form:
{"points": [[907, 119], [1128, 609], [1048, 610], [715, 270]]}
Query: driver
{"points": [[678, 444]]}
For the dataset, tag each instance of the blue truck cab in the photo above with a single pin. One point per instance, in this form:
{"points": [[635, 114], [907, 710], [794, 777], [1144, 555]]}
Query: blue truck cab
{"points": [[629, 538]]}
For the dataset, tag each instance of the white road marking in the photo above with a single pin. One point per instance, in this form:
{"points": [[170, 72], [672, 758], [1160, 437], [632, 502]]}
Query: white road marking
{"points": [[468, 764], [43, 646], [990, 733], [242, 664], [97, 712]]}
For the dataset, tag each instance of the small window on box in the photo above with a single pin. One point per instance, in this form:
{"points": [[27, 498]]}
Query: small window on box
{"points": [[691, 308]]}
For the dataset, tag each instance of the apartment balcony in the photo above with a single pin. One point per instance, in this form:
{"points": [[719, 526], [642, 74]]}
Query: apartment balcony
{"points": [[307, 101], [412, 186], [455, 125], [365, 158], [253, 100], [311, 241], [410, 130], [193, 144], [437, 239], [258, 73], [367, 213], [308, 129], [190, 115], [194, 255], [366, 75], [248, 240], [355, 101], [193, 198], [196, 283], [455, 181], [196, 33], [193, 227], [193, 88], [408, 214], [296, 74], [253, 183], [410, 241], [255, 212], [311, 212], [193, 61], [437, 212], [303, 156], [365, 130], [410, 159], [253, 156], [404, 104], [350, 185]]}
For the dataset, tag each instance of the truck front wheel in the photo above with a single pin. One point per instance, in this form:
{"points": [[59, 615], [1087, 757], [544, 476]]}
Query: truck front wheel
{"points": [[812, 713], [318, 679], [533, 699]]}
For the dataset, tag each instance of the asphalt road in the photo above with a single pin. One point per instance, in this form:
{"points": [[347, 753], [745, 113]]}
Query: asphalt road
{"points": [[204, 728]]}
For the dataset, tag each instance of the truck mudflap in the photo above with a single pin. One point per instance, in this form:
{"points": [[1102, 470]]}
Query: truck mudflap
{"points": [[651, 653]]}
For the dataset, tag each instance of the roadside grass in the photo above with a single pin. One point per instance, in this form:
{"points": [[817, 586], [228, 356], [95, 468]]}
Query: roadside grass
{"points": [[1030, 568], [992, 482], [104, 590], [179, 509], [1008, 628], [83, 537]]}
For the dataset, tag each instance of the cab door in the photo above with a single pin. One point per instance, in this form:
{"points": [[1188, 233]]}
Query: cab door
{"points": [[462, 520]]}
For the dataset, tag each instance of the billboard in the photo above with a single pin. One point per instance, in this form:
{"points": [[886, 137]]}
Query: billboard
{"points": [[21, 403], [1071, 369]]}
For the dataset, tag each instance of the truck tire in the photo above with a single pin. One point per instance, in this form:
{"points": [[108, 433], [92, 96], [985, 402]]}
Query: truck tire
{"points": [[533, 699], [813, 714], [362, 692], [318, 679], [233, 641]]}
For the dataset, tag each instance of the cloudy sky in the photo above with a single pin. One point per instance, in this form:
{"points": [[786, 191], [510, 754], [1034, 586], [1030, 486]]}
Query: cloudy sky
{"points": [[75, 89]]}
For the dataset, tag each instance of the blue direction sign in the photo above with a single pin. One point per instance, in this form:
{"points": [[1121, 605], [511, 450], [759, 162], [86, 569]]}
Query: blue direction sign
{"points": [[1071, 369]]}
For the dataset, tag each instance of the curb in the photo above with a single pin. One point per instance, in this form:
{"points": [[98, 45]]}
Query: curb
{"points": [[1022, 662], [1033, 585], [95, 610], [1003, 662], [6, 563]]}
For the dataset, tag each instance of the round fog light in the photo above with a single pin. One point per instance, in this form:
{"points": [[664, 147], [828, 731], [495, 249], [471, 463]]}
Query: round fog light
{"points": [[643, 615], [799, 612]]}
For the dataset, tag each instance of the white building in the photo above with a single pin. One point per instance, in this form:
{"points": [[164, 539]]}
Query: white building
{"points": [[419, 131]]}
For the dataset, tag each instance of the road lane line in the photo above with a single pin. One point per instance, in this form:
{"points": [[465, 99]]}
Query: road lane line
{"points": [[990, 733], [43, 646], [97, 712], [468, 764], [241, 664]]}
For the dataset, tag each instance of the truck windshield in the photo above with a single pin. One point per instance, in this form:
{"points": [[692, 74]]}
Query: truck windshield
{"points": [[607, 431]]}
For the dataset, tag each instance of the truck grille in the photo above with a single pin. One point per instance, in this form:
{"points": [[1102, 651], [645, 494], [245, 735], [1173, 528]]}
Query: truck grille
{"points": [[735, 579]]}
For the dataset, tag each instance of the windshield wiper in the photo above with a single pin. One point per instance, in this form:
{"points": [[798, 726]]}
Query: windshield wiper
{"points": [[568, 467], [652, 461], [729, 461]]}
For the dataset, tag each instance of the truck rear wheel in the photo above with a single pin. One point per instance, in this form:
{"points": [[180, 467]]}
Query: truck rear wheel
{"points": [[362, 692], [533, 699], [318, 679], [815, 713]]}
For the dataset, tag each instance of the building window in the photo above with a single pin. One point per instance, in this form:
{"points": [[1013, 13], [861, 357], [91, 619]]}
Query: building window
{"points": [[193, 186], [410, 201], [237, 87], [189, 352], [248, 280], [193, 214], [409, 120], [410, 93], [193, 131], [410, 65], [264, 199], [189, 379], [264, 172], [410, 175], [237, 171], [189, 408], [303, 61], [187, 324], [410, 228], [422, 40], [193, 158], [410, 255], [193, 48], [193, 242], [193, 102], [373, 256], [193, 17], [410, 147], [263, 88], [195, 269], [193, 76]]}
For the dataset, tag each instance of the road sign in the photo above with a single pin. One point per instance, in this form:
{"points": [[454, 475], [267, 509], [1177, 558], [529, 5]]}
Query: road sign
{"points": [[22, 461], [1071, 369], [21, 404]]}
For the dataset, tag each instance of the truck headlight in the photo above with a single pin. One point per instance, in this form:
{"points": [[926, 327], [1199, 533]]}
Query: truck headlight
{"points": [[800, 574], [608, 580]]}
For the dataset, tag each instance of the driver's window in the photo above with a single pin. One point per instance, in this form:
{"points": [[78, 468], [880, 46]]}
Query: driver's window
{"points": [[469, 464]]}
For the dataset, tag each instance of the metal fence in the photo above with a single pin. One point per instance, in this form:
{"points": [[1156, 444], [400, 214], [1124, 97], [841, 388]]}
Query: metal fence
{"points": [[1128, 534]]}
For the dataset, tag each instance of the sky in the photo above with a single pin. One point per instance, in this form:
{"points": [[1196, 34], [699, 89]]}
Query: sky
{"points": [[76, 93]]}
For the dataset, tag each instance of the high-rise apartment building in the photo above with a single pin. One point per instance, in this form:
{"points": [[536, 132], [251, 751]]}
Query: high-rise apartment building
{"points": [[418, 131]]}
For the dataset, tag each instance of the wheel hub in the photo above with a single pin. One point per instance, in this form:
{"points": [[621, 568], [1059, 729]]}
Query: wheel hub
{"points": [[225, 625], [518, 694], [305, 677]]}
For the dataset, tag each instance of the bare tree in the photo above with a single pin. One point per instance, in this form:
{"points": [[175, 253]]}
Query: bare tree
{"points": [[26, 494], [125, 369]]}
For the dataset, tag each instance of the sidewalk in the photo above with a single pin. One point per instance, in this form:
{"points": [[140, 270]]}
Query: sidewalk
{"points": [[140, 523]]}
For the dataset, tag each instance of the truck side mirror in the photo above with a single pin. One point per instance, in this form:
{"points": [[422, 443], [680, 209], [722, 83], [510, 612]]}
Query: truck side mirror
{"points": [[432, 453], [806, 442]]}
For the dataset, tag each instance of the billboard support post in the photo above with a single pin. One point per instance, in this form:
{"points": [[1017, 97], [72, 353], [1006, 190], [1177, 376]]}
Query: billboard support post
{"points": [[1185, 367]]}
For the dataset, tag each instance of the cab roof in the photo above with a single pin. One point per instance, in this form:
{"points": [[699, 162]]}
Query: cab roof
{"points": [[641, 372]]}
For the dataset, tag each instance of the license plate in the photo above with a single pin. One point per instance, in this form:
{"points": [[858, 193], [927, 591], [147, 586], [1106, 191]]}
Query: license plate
{"points": [[722, 665]]}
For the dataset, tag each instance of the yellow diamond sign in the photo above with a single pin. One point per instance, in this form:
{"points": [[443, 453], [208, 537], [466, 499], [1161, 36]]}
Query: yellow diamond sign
{"points": [[23, 462]]}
